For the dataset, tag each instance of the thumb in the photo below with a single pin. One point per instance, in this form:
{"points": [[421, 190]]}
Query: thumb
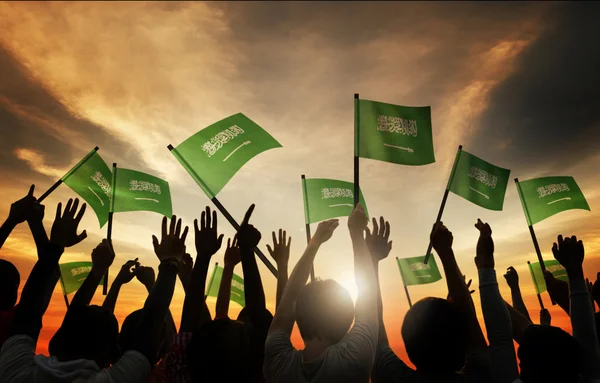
{"points": [[155, 243], [81, 237]]}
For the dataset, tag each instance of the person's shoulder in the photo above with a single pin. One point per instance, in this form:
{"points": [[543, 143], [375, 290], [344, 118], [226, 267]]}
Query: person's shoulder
{"points": [[18, 341], [133, 360]]}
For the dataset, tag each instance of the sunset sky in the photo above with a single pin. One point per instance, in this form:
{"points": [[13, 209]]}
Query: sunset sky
{"points": [[515, 83]]}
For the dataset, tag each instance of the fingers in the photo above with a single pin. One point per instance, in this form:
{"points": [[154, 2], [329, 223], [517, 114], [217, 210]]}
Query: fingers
{"points": [[74, 207], [289, 242], [555, 249], [155, 243], [31, 190], [68, 207], [184, 235], [208, 218], [560, 240], [58, 211], [203, 220], [164, 228], [172, 224], [381, 226], [274, 239], [228, 243], [220, 240], [80, 214], [81, 237], [280, 236], [214, 219], [270, 250], [196, 229], [367, 231], [235, 241], [178, 228], [248, 215], [375, 227], [386, 234]]}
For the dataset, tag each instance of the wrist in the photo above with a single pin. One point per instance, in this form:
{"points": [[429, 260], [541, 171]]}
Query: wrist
{"points": [[99, 271], [10, 223], [356, 233], [575, 273]]}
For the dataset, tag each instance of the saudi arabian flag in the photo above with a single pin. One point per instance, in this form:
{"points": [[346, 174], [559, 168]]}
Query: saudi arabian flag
{"points": [[544, 197], [213, 155], [415, 272], [137, 191], [537, 274], [237, 286], [73, 274], [394, 133], [91, 179], [326, 199], [479, 181]]}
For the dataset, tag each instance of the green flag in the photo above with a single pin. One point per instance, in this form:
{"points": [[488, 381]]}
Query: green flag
{"points": [[537, 274], [91, 179], [544, 197], [137, 191], [213, 155], [73, 274], [394, 133], [237, 286], [479, 181], [415, 272], [326, 199]]}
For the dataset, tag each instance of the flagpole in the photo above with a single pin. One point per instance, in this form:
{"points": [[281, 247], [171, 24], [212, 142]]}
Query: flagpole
{"points": [[443, 205], [307, 224], [533, 237], [212, 278], [110, 223], [539, 297], [356, 151], [404, 283], [222, 209], [57, 183]]}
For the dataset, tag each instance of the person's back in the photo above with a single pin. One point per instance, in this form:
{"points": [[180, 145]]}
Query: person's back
{"points": [[324, 313], [549, 354], [9, 287]]}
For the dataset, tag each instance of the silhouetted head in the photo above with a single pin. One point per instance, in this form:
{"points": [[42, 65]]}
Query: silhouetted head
{"points": [[130, 332], [435, 334], [87, 332], [549, 354], [9, 284], [220, 351], [324, 311]]}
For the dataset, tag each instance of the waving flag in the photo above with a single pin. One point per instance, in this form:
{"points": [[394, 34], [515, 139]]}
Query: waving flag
{"points": [[552, 266], [137, 191], [237, 286], [415, 272], [394, 133], [544, 197], [325, 199], [91, 179], [479, 181], [213, 155], [73, 274]]}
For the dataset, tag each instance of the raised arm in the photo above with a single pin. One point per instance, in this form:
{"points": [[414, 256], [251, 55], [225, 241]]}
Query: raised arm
{"points": [[570, 253], [126, 274], [208, 242], [169, 251], [284, 316], [248, 239], [495, 314], [558, 290], [280, 252], [20, 211], [145, 275], [512, 279], [458, 291], [33, 303], [232, 258], [102, 257]]}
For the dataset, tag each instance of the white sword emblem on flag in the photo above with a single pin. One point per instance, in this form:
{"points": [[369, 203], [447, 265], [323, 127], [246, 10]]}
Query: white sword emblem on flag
{"points": [[342, 204], [400, 147], [147, 199], [477, 191], [102, 202], [236, 149], [562, 199]]}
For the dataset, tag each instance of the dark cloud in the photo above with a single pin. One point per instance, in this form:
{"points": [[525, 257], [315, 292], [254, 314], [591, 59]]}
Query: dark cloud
{"points": [[547, 111], [32, 117]]}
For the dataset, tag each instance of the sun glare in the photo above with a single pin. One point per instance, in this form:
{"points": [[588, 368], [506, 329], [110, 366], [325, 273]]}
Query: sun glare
{"points": [[349, 284]]}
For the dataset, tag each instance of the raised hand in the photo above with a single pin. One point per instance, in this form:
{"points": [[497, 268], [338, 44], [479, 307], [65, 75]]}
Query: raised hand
{"points": [[128, 271], [570, 253], [545, 317], [469, 284], [64, 229], [248, 236], [232, 254], [325, 231], [185, 269], [358, 221], [23, 209], [280, 250], [512, 277], [145, 274], [441, 239], [377, 242], [172, 243], [485, 247], [103, 256], [208, 241]]}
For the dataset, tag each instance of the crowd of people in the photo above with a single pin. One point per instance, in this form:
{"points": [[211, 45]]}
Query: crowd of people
{"points": [[344, 342]]}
